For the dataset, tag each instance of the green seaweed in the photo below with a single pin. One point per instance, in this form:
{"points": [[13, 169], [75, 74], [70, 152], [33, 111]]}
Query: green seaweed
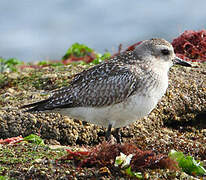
{"points": [[188, 164]]}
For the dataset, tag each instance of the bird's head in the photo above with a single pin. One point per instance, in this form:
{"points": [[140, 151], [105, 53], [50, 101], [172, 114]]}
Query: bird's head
{"points": [[160, 50]]}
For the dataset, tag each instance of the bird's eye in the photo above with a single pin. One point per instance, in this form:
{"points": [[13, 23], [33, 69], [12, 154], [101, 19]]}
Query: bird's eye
{"points": [[165, 51]]}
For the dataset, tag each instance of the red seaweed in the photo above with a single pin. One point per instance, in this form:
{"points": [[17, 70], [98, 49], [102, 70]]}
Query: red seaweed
{"points": [[89, 57], [12, 140], [191, 45], [105, 154]]}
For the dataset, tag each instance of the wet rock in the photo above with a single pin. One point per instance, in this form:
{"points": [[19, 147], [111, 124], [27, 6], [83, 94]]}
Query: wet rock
{"points": [[183, 105]]}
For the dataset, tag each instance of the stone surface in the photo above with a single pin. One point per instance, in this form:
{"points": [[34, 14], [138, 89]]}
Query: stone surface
{"points": [[178, 121], [180, 112]]}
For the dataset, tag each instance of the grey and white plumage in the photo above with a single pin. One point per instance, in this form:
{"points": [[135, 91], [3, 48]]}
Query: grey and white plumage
{"points": [[118, 91]]}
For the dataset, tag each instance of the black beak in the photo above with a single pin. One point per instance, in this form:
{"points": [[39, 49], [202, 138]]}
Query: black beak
{"points": [[181, 62]]}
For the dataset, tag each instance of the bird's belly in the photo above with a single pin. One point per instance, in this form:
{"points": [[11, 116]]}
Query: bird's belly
{"points": [[135, 108], [119, 115]]}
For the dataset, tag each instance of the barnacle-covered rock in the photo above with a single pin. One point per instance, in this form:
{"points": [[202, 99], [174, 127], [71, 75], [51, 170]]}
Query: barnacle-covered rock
{"points": [[183, 105]]}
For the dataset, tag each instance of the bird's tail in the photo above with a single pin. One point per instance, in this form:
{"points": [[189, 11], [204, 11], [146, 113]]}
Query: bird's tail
{"points": [[35, 107]]}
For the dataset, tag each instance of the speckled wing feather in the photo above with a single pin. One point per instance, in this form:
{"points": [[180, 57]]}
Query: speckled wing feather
{"points": [[102, 85]]}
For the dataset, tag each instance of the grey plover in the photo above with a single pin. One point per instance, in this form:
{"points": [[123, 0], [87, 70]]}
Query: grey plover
{"points": [[119, 91]]}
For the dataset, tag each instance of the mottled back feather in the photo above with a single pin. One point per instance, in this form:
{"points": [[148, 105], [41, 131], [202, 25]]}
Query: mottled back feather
{"points": [[108, 83]]}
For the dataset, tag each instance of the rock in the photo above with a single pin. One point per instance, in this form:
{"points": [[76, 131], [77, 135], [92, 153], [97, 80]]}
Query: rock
{"points": [[13, 75], [183, 105], [11, 90], [49, 76], [185, 98]]}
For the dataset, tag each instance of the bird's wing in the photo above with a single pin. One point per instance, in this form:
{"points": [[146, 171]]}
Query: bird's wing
{"points": [[104, 85], [112, 67]]}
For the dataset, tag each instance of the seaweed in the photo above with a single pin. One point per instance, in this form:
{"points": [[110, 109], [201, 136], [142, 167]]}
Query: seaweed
{"points": [[191, 45], [105, 154]]}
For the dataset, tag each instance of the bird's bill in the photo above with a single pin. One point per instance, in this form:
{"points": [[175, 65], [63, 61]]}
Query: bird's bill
{"points": [[181, 62]]}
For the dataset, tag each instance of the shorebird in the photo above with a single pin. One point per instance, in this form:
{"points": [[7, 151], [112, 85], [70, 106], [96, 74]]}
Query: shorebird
{"points": [[119, 91]]}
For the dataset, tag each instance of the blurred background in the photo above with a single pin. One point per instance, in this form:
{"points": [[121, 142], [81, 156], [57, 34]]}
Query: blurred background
{"points": [[40, 30]]}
